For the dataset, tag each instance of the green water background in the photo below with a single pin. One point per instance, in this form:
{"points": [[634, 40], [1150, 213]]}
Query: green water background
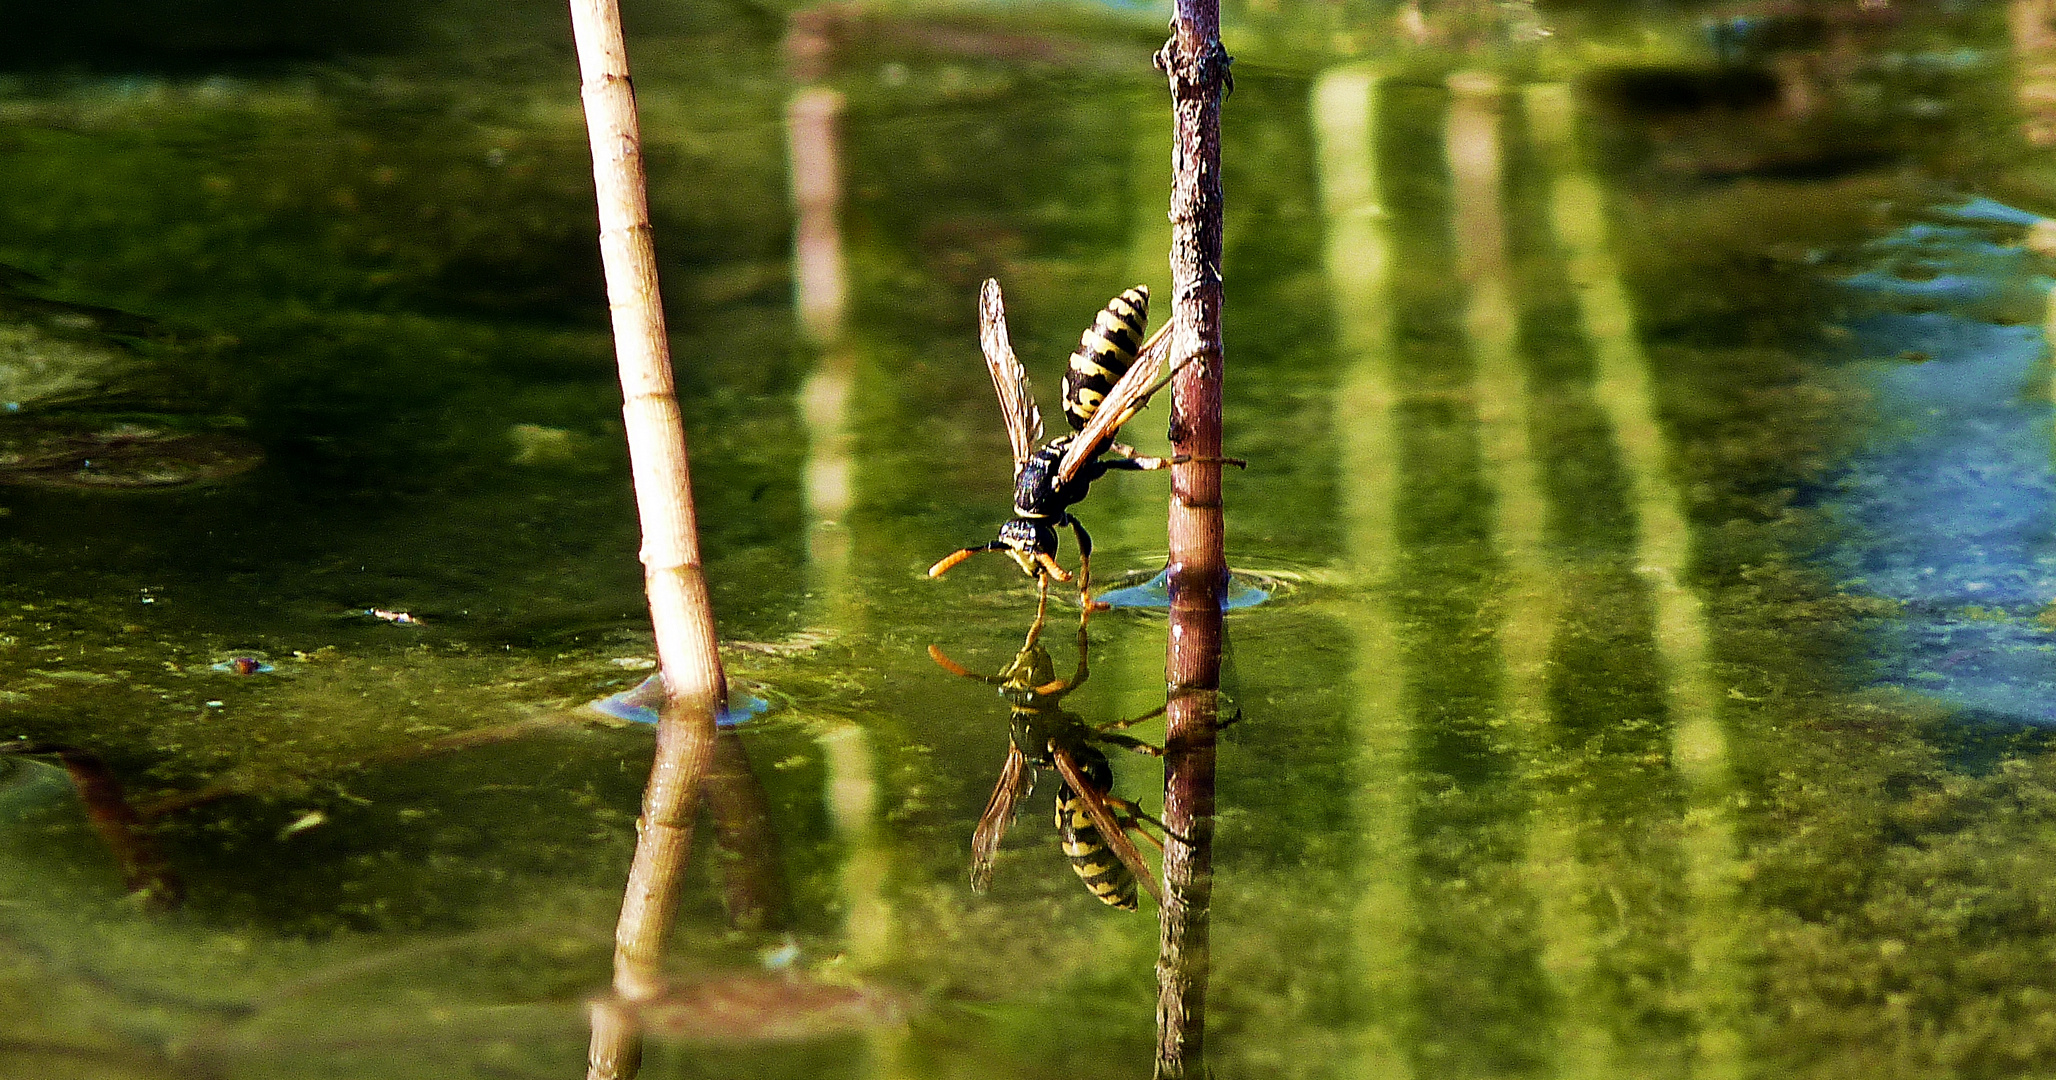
{"points": [[1556, 758]]}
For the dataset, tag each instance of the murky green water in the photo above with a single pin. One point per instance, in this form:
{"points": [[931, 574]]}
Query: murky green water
{"points": [[1591, 733]]}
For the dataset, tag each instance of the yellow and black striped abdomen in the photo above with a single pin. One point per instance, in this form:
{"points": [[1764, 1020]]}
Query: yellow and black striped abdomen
{"points": [[1104, 354], [1096, 865]]}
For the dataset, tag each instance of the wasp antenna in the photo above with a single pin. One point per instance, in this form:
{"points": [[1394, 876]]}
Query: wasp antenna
{"points": [[935, 653], [944, 564]]}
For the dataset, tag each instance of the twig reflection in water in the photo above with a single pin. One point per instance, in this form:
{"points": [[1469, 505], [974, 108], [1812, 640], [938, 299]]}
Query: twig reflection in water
{"points": [[767, 1007], [1042, 734], [752, 884], [144, 871]]}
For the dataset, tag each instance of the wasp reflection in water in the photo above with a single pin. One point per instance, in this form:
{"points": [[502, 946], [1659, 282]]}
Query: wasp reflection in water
{"points": [[1092, 822]]}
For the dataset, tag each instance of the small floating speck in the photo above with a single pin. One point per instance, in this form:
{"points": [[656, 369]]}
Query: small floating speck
{"points": [[782, 957], [243, 665], [216, 704], [639, 705], [403, 618]]}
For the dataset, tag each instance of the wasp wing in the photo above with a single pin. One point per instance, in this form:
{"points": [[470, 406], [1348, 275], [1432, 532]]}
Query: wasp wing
{"points": [[1016, 777], [1122, 403], [1009, 378], [1103, 819]]}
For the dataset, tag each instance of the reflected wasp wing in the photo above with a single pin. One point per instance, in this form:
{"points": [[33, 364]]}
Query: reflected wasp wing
{"points": [[1122, 403], [1103, 819], [1009, 378], [1016, 777]]}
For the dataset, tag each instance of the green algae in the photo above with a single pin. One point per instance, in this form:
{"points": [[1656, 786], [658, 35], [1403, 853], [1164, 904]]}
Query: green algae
{"points": [[1889, 934]]}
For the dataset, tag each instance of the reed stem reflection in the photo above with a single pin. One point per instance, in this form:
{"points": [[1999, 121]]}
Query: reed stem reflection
{"points": [[753, 888], [145, 872]]}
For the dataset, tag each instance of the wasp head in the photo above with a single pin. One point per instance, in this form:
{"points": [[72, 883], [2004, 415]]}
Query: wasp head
{"points": [[1024, 539], [1031, 544], [1031, 671]]}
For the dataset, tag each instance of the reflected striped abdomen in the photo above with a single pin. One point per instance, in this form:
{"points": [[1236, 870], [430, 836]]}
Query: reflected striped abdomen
{"points": [[1091, 860]]}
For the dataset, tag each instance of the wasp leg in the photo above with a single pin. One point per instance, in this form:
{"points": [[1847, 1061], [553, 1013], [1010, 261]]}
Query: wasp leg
{"points": [[1130, 458], [1041, 601], [1144, 463], [1138, 462], [1034, 635], [1127, 742], [1057, 688], [1084, 567], [1136, 827], [1084, 671], [1137, 815], [1150, 715], [943, 565]]}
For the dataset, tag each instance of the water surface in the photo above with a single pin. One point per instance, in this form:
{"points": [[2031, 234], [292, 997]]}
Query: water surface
{"points": [[1603, 730]]}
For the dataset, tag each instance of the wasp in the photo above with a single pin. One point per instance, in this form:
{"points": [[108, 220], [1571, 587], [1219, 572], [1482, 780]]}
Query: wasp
{"points": [[1092, 822], [1109, 379]]}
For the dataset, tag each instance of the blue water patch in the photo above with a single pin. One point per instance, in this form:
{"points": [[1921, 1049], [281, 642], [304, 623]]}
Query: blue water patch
{"points": [[1952, 505], [1958, 288], [1156, 593], [1990, 211], [640, 704]]}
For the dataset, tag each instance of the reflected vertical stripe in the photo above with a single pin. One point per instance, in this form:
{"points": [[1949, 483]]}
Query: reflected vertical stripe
{"points": [[820, 284], [853, 807], [830, 492], [1344, 103], [1663, 555], [1533, 594], [2049, 326]]}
